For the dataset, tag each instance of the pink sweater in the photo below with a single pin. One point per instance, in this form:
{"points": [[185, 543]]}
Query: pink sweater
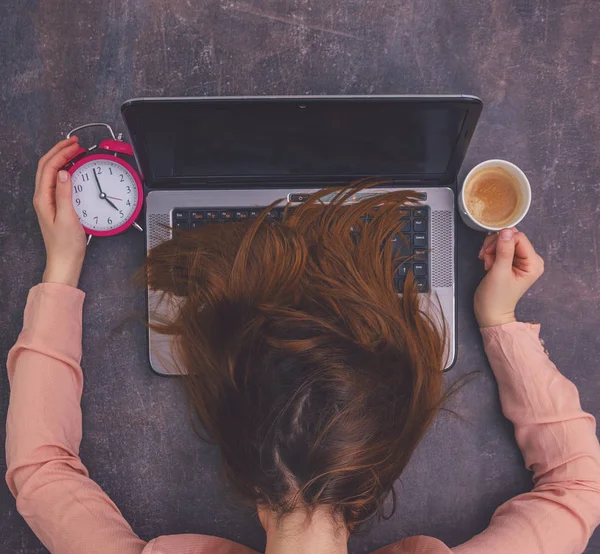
{"points": [[72, 515]]}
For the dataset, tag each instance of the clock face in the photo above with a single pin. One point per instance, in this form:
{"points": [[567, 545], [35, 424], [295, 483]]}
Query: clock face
{"points": [[105, 194]]}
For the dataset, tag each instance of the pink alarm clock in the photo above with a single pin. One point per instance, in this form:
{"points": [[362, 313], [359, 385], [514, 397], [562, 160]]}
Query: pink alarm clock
{"points": [[107, 190]]}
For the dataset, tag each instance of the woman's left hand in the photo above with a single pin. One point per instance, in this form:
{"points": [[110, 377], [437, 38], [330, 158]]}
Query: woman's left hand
{"points": [[63, 234]]}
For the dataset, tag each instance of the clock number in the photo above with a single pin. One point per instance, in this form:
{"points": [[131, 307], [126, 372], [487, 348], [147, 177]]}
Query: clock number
{"points": [[128, 203], [121, 213], [109, 221], [85, 177], [99, 170], [122, 178], [96, 218], [84, 213], [78, 201], [110, 170], [128, 188], [78, 188]]}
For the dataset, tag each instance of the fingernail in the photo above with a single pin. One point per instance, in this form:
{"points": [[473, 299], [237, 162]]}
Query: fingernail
{"points": [[506, 234], [63, 176]]}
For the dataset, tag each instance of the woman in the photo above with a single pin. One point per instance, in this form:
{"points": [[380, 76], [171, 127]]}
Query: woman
{"points": [[314, 378]]}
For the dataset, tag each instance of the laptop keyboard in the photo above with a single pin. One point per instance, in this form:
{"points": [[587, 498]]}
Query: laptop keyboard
{"points": [[414, 224]]}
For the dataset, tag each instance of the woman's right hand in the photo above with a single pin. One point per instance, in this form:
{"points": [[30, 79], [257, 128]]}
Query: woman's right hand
{"points": [[63, 234], [513, 266]]}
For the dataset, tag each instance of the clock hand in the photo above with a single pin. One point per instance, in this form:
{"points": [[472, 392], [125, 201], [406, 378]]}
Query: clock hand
{"points": [[114, 198], [97, 182], [102, 194], [106, 198]]}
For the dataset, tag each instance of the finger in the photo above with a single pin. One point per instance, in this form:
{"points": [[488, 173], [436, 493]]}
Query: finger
{"points": [[488, 261], [44, 199], [505, 250], [47, 179], [56, 148], [486, 243], [64, 201], [491, 248], [52, 152], [523, 248]]}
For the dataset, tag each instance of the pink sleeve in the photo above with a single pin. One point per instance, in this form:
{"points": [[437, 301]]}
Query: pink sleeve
{"points": [[559, 444], [67, 511]]}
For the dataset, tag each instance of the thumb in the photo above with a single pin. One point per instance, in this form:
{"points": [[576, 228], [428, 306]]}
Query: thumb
{"points": [[64, 200], [505, 249]]}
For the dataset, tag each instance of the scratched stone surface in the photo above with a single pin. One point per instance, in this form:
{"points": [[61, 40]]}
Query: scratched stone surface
{"points": [[536, 65]]}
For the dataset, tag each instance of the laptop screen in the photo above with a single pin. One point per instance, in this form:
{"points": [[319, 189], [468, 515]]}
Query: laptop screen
{"points": [[207, 140]]}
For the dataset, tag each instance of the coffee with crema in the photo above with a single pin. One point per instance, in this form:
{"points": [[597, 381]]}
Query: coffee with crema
{"points": [[493, 197]]}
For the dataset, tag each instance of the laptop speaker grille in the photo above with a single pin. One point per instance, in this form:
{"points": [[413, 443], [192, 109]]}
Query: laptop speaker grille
{"points": [[157, 229], [442, 253]]}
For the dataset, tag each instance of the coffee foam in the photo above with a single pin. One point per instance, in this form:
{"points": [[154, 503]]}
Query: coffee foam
{"points": [[493, 197]]}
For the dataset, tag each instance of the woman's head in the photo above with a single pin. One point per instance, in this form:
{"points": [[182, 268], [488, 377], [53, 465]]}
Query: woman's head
{"points": [[314, 378]]}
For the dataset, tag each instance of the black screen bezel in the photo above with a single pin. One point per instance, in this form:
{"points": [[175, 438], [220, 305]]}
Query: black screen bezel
{"points": [[131, 112]]}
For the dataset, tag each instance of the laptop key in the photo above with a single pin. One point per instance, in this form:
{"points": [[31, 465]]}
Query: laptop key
{"points": [[402, 271], [420, 212], [420, 269], [196, 224], [401, 246], [226, 215], [420, 226], [254, 214], [421, 284], [419, 254], [180, 224], [212, 215], [406, 224], [419, 239], [197, 216], [241, 215], [180, 214], [399, 284]]}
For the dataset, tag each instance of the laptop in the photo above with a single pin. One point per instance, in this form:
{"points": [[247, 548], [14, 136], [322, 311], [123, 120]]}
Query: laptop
{"points": [[216, 160]]}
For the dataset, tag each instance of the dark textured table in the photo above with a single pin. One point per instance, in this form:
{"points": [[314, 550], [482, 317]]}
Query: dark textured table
{"points": [[536, 65]]}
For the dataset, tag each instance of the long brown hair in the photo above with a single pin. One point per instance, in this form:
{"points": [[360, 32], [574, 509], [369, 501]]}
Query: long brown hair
{"points": [[303, 364]]}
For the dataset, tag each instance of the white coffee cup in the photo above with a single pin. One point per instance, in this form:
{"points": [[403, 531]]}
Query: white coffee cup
{"points": [[511, 168]]}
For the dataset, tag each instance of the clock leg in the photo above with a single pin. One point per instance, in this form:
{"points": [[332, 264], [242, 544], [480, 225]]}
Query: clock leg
{"points": [[137, 227]]}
